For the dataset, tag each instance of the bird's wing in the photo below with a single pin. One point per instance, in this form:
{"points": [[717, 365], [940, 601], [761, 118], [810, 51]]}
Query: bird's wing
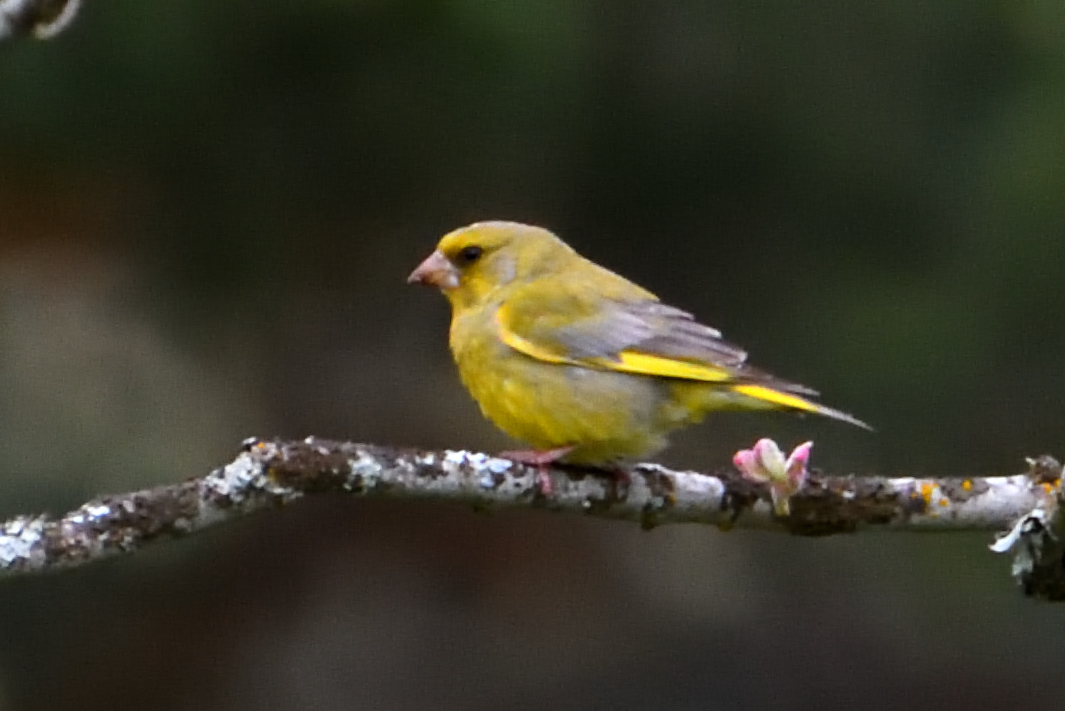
{"points": [[579, 322]]}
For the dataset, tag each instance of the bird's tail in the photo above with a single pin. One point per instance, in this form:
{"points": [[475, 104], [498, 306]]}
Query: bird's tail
{"points": [[773, 398]]}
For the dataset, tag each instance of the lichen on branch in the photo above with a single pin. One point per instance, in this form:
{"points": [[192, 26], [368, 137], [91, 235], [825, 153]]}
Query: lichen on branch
{"points": [[267, 474]]}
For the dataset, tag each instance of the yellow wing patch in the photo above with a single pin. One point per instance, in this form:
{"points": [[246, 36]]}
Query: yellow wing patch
{"points": [[663, 367], [646, 364], [776, 397], [626, 362]]}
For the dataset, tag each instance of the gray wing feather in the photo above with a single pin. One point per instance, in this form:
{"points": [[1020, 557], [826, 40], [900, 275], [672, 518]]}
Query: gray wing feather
{"points": [[650, 327], [656, 328]]}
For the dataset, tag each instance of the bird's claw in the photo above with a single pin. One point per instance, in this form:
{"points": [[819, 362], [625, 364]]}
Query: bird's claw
{"points": [[541, 459]]}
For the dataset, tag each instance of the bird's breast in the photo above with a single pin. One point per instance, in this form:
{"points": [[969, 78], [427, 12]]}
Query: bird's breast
{"points": [[607, 415]]}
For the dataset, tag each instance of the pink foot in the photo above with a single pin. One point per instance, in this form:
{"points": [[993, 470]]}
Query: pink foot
{"points": [[541, 459], [537, 457]]}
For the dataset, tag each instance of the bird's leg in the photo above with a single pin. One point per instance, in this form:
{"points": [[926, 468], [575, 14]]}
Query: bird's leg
{"points": [[537, 457], [622, 477], [542, 459]]}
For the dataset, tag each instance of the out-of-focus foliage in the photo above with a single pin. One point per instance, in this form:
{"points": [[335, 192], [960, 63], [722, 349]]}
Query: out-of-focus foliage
{"points": [[207, 210]]}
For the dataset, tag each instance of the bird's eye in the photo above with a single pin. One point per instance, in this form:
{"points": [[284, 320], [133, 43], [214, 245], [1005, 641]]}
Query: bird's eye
{"points": [[470, 254]]}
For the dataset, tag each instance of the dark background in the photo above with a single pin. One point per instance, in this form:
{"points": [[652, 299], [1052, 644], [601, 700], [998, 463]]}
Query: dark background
{"points": [[207, 212]]}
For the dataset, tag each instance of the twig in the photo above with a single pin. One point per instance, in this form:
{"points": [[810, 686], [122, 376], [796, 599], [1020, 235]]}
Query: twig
{"points": [[267, 474], [44, 19]]}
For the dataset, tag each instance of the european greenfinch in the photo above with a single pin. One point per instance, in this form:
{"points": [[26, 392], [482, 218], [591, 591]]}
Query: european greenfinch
{"points": [[579, 362]]}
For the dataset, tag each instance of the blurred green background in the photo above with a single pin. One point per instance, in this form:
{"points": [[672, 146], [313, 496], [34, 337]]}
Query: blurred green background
{"points": [[207, 212]]}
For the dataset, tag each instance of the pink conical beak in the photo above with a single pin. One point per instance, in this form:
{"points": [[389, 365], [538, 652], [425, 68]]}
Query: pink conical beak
{"points": [[436, 270]]}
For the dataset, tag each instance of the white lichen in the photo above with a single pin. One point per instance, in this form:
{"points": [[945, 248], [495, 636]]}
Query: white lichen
{"points": [[20, 540], [366, 469], [235, 479], [96, 510]]}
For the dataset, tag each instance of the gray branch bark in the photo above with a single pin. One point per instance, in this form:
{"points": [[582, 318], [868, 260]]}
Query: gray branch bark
{"points": [[267, 474]]}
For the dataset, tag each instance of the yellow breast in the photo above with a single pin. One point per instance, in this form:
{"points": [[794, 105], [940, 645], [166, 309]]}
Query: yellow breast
{"points": [[607, 415]]}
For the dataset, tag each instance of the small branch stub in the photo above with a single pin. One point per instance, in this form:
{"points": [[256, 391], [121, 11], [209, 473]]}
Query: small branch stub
{"points": [[1037, 539], [43, 19]]}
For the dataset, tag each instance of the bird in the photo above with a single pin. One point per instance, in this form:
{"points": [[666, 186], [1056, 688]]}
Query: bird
{"points": [[578, 362]]}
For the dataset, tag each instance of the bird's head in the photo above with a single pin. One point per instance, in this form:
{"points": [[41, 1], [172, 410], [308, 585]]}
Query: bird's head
{"points": [[473, 262]]}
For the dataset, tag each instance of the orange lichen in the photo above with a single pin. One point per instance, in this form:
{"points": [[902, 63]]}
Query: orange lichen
{"points": [[944, 501], [967, 485], [927, 490]]}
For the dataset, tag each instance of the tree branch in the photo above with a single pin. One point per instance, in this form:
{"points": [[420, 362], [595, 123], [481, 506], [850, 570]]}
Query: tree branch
{"points": [[43, 19], [267, 474]]}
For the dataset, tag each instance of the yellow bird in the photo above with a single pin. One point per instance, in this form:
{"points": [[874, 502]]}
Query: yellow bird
{"points": [[578, 361]]}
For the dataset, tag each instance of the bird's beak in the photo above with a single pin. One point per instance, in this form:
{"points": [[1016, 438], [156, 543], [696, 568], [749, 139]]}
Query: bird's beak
{"points": [[436, 270]]}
